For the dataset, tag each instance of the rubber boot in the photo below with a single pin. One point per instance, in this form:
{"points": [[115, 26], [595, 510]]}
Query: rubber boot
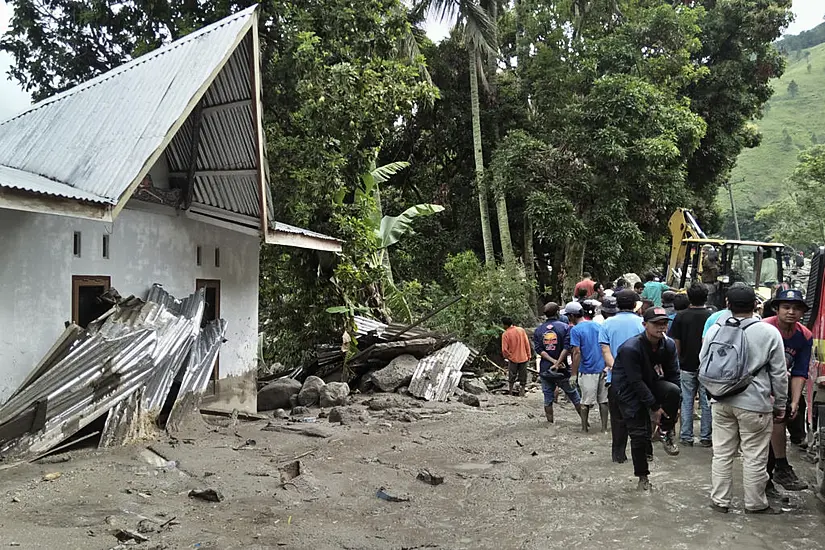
{"points": [[584, 412], [548, 412], [604, 413], [510, 391]]}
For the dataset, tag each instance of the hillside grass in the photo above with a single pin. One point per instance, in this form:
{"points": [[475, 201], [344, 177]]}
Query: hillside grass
{"points": [[760, 174]]}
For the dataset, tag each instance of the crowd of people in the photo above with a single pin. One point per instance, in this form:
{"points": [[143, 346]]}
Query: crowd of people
{"points": [[641, 357]]}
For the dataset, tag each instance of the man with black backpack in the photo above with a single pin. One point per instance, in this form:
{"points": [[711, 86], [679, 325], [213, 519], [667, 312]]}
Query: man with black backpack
{"points": [[742, 364]]}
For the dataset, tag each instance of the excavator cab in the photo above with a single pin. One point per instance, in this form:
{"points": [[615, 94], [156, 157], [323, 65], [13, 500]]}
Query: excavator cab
{"points": [[719, 263]]}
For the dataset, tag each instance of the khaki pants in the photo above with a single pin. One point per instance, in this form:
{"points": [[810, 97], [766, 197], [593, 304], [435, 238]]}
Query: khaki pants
{"points": [[734, 427]]}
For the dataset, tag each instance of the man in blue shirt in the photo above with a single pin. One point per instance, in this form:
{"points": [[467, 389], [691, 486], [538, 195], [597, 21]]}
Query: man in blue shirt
{"points": [[588, 363], [551, 342], [614, 332]]}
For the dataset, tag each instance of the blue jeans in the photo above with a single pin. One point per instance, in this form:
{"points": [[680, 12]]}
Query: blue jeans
{"points": [[549, 389], [690, 385]]}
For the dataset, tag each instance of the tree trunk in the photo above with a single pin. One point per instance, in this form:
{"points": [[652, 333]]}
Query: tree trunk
{"points": [[573, 264], [501, 201], [481, 185], [529, 263]]}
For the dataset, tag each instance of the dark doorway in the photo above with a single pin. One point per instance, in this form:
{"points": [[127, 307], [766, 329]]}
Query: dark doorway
{"points": [[86, 293], [212, 309]]}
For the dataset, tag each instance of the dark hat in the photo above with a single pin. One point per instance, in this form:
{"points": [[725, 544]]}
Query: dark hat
{"points": [[791, 296], [653, 314], [573, 308], [626, 299], [741, 296], [610, 305]]}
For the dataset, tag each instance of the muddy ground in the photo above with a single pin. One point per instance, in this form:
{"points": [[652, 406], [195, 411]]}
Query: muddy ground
{"points": [[511, 481]]}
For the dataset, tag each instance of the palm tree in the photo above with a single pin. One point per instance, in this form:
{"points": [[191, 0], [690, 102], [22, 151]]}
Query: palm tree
{"points": [[478, 30]]}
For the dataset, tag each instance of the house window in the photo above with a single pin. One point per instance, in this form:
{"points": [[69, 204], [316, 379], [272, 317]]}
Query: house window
{"points": [[198, 256], [86, 303], [217, 257], [106, 246], [76, 244]]}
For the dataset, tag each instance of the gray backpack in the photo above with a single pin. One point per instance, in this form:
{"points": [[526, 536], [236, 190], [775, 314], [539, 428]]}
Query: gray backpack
{"points": [[724, 370]]}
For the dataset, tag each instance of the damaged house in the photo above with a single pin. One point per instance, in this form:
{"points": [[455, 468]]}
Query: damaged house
{"points": [[150, 179]]}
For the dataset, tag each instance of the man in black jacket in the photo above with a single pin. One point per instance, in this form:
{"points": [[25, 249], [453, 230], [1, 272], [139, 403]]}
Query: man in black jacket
{"points": [[646, 381]]}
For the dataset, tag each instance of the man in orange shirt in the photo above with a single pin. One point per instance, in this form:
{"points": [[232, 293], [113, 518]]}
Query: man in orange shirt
{"points": [[584, 286], [516, 349]]}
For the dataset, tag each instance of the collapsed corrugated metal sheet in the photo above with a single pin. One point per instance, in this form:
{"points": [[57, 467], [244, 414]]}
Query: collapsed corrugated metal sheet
{"points": [[437, 376], [68, 138], [365, 326], [123, 365]]}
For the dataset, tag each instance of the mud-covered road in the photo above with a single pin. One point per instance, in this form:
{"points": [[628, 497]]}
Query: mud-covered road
{"points": [[511, 481]]}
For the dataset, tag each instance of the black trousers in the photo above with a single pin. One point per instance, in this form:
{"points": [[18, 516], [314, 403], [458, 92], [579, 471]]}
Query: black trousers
{"points": [[639, 426], [618, 428], [796, 427]]}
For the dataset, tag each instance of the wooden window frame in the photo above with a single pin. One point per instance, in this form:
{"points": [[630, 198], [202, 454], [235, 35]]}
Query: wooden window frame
{"points": [[86, 280]]}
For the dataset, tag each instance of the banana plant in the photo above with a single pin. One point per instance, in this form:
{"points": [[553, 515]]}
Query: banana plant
{"points": [[386, 230]]}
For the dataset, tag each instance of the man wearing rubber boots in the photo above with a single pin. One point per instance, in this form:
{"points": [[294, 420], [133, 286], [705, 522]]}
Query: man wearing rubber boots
{"points": [[551, 342], [646, 380]]}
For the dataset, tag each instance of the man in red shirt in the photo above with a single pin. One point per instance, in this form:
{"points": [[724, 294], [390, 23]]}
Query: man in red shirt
{"points": [[517, 351], [798, 340], [585, 284]]}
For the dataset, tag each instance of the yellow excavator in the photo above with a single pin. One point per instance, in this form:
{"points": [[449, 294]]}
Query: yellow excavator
{"points": [[720, 262]]}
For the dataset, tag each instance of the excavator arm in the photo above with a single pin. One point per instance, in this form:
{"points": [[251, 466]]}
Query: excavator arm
{"points": [[682, 225]]}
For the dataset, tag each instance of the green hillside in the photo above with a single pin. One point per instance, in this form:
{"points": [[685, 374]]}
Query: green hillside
{"points": [[760, 173]]}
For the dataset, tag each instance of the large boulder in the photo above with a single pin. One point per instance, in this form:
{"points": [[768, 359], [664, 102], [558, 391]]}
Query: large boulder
{"points": [[334, 394], [474, 386], [276, 394], [398, 373], [310, 393]]}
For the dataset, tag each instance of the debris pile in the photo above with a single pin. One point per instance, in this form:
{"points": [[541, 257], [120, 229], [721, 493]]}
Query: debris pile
{"points": [[392, 358], [137, 359]]}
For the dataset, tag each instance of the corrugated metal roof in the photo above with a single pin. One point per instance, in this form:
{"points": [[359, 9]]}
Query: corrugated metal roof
{"points": [[13, 178], [97, 137]]}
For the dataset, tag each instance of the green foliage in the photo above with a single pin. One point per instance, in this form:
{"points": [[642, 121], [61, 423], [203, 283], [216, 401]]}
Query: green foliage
{"points": [[799, 219], [394, 227], [761, 174], [805, 39], [740, 59], [490, 293]]}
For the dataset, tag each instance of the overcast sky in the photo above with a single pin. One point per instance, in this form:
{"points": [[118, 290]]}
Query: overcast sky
{"points": [[809, 13]]}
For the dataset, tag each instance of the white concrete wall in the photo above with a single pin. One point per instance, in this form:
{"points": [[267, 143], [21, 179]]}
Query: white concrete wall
{"points": [[37, 265]]}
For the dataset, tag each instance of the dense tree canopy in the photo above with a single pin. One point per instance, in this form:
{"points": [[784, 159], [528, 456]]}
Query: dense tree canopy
{"points": [[596, 119]]}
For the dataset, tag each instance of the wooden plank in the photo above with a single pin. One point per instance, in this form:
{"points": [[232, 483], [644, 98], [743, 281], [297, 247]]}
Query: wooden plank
{"points": [[186, 199], [257, 120], [220, 107], [215, 173]]}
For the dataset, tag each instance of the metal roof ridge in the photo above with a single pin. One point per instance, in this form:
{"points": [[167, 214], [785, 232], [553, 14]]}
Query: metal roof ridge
{"points": [[115, 71]]}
